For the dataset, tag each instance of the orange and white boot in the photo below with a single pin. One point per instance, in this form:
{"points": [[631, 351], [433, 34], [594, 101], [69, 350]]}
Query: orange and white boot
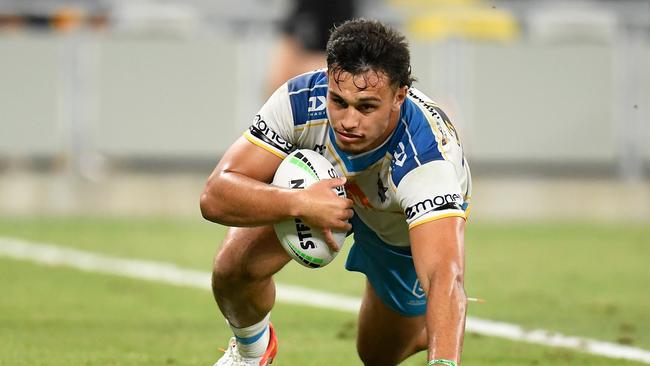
{"points": [[232, 357]]}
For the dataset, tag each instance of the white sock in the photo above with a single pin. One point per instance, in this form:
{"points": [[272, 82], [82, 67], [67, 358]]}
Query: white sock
{"points": [[253, 340]]}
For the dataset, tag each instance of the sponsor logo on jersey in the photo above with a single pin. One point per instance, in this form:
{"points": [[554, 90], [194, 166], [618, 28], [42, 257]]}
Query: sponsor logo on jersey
{"points": [[437, 203], [317, 104], [261, 130]]}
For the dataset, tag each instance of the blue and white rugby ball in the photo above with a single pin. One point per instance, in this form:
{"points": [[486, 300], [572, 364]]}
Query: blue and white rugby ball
{"points": [[299, 170]]}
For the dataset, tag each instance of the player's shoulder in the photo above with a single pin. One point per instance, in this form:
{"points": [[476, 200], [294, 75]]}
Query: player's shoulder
{"points": [[307, 82], [308, 96], [422, 135], [422, 114]]}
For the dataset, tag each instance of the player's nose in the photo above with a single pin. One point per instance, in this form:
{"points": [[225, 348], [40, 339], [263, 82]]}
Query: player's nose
{"points": [[350, 120]]}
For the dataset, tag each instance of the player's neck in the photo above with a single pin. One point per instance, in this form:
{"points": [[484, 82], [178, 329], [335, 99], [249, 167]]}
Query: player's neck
{"points": [[392, 125]]}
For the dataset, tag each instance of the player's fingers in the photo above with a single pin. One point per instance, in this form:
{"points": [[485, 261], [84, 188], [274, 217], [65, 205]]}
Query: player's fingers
{"points": [[329, 240], [349, 213], [334, 182], [344, 203], [342, 223], [343, 226]]}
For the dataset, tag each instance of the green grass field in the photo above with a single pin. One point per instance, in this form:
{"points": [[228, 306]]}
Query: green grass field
{"points": [[588, 280]]}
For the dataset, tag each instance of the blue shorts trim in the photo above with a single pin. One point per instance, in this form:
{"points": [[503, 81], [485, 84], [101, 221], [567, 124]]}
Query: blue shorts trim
{"points": [[389, 269]]}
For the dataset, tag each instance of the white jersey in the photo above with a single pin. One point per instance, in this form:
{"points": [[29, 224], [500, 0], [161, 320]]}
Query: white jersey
{"points": [[417, 175]]}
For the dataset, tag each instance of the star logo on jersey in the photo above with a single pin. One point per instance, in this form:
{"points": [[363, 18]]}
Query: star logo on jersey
{"points": [[381, 189]]}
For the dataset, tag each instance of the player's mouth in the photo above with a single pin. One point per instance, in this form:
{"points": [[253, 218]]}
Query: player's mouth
{"points": [[347, 137]]}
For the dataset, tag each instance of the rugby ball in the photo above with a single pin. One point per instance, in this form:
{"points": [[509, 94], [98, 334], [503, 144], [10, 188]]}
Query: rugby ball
{"points": [[299, 170]]}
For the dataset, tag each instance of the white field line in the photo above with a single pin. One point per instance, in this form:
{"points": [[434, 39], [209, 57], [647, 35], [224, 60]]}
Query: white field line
{"points": [[171, 274]]}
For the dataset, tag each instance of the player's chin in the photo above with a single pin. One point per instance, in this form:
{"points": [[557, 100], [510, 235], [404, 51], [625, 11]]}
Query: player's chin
{"points": [[351, 148]]}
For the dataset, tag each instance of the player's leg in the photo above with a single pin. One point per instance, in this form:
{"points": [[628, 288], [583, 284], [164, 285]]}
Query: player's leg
{"points": [[243, 287], [386, 337], [241, 278]]}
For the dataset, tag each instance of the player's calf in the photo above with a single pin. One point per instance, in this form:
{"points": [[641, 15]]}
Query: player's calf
{"points": [[242, 271]]}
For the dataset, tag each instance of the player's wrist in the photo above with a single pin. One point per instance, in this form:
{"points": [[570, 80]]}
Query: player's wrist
{"points": [[441, 362], [295, 201]]}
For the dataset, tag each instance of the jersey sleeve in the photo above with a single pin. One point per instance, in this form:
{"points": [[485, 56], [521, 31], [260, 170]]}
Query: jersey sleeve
{"points": [[272, 127], [431, 192]]}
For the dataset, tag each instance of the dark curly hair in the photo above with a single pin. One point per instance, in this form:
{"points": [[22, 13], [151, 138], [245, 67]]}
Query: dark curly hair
{"points": [[358, 46]]}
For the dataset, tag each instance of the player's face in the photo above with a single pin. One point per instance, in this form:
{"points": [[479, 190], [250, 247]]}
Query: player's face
{"points": [[363, 109]]}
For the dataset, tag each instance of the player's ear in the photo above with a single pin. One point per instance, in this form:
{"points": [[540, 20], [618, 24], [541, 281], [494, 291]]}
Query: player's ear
{"points": [[400, 96]]}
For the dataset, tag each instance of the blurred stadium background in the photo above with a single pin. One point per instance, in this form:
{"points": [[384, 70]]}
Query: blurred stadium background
{"points": [[113, 113], [124, 107]]}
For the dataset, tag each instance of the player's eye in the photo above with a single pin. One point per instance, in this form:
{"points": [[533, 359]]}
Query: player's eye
{"points": [[366, 108], [340, 102]]}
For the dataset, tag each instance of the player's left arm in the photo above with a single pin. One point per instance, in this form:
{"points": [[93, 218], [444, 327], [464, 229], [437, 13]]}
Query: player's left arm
{"points": [[438, 253]]}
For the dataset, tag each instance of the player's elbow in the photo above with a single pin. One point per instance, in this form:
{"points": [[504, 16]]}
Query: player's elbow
{"points": [[211, 210], [207, 211]]}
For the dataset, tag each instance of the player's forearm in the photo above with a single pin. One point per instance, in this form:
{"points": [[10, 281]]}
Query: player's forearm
{"points": [[236, 200], [445, 317]]}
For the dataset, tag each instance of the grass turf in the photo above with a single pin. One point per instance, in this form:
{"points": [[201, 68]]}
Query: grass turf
{"points": [[551, 276]]}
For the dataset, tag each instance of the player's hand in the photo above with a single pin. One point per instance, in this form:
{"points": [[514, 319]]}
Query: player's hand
{"points": [[321, 208], [329, 240]]}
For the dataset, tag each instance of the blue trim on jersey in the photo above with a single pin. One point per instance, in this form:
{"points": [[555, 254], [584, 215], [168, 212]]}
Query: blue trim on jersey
{"points": [[253, 339], [360, 162], [307, 81], [418, 143], [308, 96]]}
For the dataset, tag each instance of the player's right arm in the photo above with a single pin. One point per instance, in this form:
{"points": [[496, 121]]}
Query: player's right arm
{"points": [[238, 193]]}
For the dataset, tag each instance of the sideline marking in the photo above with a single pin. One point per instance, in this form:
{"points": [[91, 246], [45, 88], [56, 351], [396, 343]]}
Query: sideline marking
{"points": [[171, 274]]}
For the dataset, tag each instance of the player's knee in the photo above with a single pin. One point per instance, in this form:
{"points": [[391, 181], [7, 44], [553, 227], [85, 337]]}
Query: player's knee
{"points": [[228, 270]]}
